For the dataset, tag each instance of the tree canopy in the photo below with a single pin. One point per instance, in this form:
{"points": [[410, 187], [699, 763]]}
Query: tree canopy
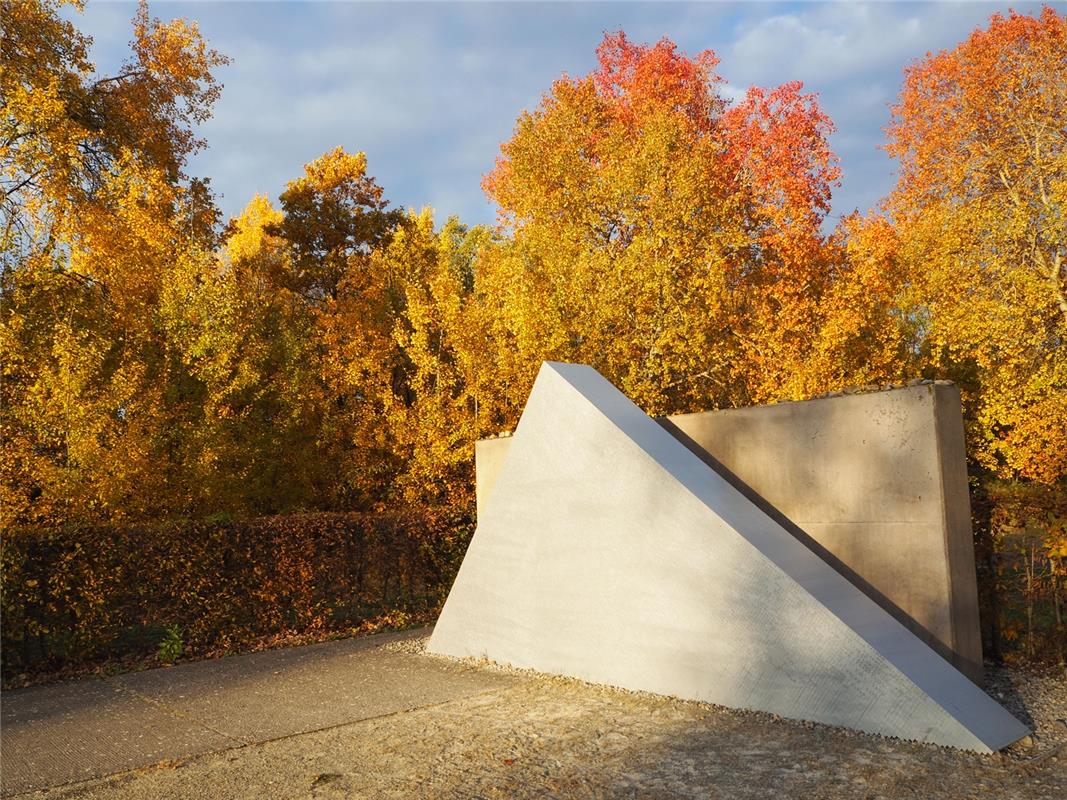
{"points": [[330, 352], [979, 210]]}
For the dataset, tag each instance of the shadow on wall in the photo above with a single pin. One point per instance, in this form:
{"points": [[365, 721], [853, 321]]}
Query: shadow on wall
{"points": [[998, 684], [833, 561]]}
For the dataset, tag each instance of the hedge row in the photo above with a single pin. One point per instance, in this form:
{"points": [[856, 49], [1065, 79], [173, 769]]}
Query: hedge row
{"points": [[79, 595], [82, 594]]}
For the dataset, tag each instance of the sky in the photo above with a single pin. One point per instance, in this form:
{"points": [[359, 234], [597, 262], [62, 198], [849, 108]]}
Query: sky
{"points": [[429, 91]]}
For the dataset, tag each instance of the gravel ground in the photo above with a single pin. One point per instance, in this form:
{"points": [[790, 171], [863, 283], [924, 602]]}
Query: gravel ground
{"points": [[555, 737]]}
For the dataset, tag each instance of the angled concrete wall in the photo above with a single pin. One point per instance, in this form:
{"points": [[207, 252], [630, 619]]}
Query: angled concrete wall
{"points": [[608, 551], [878, 480]]}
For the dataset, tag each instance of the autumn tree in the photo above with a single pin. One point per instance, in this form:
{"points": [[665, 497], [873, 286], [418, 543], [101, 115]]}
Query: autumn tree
{"points": [[981, 241], [95, 206], [865, 334], [332, 220], [333, 217], [672, 241], [980, 214], [394, 354], [440, 336], [245, 339], [78, 147]]}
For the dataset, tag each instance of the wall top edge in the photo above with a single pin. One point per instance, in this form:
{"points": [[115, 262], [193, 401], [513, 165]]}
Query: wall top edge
{"points": [[849, 391]]}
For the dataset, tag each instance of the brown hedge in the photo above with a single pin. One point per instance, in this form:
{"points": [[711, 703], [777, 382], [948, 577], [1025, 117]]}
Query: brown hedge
{"points": [[83, 594]]}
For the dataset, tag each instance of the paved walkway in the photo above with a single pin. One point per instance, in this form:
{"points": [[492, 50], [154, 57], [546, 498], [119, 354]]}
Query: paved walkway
{"points": [[373, 718], [58, 734]]}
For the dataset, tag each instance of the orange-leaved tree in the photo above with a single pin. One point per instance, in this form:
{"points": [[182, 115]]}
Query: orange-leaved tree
{"points": [[333, 218], [981, 216], [673, 242], [981, 241]]}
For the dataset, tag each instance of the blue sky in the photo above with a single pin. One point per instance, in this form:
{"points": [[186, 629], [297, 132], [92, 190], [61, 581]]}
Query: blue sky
{"points": [[430, 90]]}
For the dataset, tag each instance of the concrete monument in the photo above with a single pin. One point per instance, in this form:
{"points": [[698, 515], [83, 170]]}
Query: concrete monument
{"points": [[610, 552], [876, 482]]}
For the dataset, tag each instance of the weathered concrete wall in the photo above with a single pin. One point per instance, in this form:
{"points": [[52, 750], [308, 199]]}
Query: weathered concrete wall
{"points": [[489, 455], [610, 552], [878, 481]]}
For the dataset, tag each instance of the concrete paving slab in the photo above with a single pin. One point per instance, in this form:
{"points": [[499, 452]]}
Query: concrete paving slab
{"points": [[54, 735], [265, 695], [549, 738]]}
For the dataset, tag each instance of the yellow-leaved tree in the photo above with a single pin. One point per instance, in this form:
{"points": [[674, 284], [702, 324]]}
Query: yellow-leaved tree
{"points": [[95, 205], [438, 406]]}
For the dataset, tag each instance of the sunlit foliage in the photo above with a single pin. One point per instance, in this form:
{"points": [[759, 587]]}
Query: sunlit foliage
{"points": [[981, 215], [97, 218], [328, 352], [672, 242]]}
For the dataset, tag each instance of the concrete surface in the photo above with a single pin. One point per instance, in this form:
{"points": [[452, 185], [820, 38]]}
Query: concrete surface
{"points": [[876, 482], [489, 455], [609, 552], [52, 735], [553, 738]]}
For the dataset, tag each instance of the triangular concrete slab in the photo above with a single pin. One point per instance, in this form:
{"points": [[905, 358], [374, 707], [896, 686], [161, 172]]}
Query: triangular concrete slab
{"points": [[607, 551]]}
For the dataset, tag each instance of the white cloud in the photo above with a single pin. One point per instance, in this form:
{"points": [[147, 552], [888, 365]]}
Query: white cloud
{"points": [[430, 91], [853, 56], [828, 43], [732, 94]]}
